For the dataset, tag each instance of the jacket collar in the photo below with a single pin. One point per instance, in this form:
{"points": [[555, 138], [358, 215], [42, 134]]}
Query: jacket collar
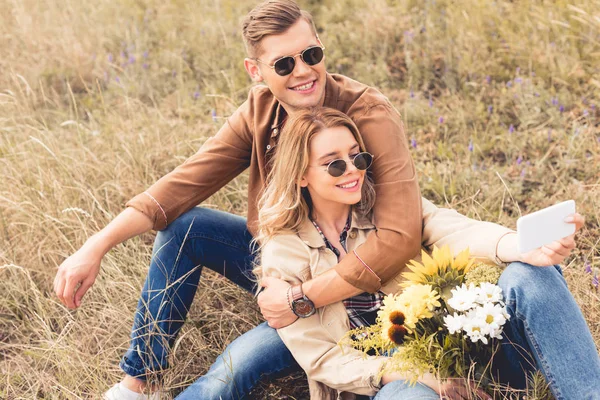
{"points": [[311, 237]]}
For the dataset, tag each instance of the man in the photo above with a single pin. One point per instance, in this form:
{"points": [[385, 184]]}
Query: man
{"points": [[284, 53]]}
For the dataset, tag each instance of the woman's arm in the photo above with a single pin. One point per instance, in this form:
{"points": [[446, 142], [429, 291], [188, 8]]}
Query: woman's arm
{"points": [[315, 347]]}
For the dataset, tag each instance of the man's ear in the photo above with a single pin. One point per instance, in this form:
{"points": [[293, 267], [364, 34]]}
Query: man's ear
{"points": [[253, 70]]}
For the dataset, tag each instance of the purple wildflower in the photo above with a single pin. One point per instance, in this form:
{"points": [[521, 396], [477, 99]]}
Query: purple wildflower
{"points": [[511, 128], [586, 112], [588, 267], [554, 101], [595, 281], [488, 79], [509, 84], [518, 80], [174, 73], [430, 102], [196, 95], [412, 94], [145, 65], [441, 120], [117, 79], [213, 114], [123, 54], [131, 59], [519, 160], [471, 145], [536, 94], [523, 173], [145, 54], [413, 143], [490, 109], [593, 107], [561, 108], [110, 58]]}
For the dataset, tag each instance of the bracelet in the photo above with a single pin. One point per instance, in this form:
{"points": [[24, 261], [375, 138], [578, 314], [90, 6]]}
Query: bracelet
{"points": [[366, 266], [498, 245]]}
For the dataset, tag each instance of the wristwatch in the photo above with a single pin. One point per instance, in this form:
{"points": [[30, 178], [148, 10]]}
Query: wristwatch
{"points": [[302, 306]]}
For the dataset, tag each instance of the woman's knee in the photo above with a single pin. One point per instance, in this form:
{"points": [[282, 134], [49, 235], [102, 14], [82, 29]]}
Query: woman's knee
{"points": [[405, 391]]}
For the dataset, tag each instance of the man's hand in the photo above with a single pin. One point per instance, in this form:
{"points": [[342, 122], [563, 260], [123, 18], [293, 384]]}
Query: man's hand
{"points": [[273, 303], [555, 252], [76, 275]]}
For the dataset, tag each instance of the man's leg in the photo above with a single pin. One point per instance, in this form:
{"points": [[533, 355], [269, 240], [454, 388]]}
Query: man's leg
{"points": [[256, 353], [546, 331], [200, 237]]}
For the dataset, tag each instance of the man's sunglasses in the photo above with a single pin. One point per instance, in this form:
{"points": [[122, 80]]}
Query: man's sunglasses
{"points": [[285, 65], [361, 161]]}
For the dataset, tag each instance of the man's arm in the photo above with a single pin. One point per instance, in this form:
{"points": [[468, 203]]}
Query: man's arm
{"points": [[78, 272], [397, 215], [220, 159]]}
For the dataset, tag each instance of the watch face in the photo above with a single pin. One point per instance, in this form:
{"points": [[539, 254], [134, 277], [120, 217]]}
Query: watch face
{"points": [[303, 307]]}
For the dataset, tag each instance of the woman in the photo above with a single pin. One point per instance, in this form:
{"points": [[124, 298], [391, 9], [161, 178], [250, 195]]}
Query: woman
{"points": [[314, 212]]}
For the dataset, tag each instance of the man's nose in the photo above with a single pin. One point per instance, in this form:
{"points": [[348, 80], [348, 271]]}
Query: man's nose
{"points": [[301, 68]]}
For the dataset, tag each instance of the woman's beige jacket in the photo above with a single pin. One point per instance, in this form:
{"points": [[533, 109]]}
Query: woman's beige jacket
{"points": [[335, 372]]}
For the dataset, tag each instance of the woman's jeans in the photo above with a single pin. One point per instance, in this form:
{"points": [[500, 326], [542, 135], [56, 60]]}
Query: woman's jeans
{"points": [[546, 330]]}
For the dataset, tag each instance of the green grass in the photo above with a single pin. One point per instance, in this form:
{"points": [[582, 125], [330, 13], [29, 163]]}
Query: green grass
{"points": [[99, 99]]}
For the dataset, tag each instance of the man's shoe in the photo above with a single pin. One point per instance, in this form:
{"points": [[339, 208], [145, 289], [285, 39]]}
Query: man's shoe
{"points": [[120, 392]]}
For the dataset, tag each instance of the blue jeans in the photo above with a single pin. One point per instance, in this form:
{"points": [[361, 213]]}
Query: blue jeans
{"points": [[546, 330]]}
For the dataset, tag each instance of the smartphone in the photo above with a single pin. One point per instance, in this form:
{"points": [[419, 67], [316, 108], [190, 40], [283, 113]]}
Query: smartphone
{"points": [[545, 226]]}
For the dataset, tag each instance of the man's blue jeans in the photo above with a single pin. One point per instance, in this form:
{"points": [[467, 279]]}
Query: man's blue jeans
{"points": [[546, 330]]}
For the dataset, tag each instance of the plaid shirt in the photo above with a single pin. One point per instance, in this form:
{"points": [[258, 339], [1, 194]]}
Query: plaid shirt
{"points": [[362, 308]]}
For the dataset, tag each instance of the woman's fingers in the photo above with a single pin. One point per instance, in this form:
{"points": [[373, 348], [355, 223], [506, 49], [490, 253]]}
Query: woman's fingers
{"points": [[577, 219]]}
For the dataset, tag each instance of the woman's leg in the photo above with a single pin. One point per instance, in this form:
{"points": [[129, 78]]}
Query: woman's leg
{"points": [[200, 237], [546, 331], [402, 390]]}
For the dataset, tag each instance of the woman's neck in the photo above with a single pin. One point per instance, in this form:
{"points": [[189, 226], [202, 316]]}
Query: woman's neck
{"points": [[332, 218]]}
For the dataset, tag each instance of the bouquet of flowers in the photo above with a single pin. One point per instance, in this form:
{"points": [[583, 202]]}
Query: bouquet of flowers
{"points": [[446, 320]]}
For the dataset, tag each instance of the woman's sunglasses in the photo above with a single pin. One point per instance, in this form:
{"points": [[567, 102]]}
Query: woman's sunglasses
{"points": [[285, 65], [361, 161]]}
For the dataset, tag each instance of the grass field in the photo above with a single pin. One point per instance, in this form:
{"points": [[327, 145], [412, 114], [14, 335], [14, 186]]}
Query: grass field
{"points": [[99, 99]]}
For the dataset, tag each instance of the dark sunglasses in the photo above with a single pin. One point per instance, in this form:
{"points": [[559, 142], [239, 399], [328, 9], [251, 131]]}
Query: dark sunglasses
{"points": [[361, 161], [285, 65]]}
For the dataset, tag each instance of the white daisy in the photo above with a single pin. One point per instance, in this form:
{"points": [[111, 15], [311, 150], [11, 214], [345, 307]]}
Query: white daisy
{"points": [[455, 322], [489, 293], [463, 298]]}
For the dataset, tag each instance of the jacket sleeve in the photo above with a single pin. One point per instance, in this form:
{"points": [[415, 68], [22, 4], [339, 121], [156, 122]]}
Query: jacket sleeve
{"points": [[313, 345], [397, 212], [220, 159], [442, 226]]}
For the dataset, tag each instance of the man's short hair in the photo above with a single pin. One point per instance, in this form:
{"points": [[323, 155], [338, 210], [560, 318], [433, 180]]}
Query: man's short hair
{"points": [[271, 17]]}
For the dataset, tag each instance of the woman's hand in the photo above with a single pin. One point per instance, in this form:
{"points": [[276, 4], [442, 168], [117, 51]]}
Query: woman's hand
{"points": [[550, 254], [455, 388], [555, 252]]}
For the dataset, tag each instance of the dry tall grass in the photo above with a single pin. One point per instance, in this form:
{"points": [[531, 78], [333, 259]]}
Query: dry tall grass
{"points": [[99, 99]]}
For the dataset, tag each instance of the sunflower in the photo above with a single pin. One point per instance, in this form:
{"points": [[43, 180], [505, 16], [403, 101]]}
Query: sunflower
{"points": [[440, 270]]}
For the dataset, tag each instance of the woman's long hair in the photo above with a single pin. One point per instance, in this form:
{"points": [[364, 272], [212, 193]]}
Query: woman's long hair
{"points": [[284, 204]]}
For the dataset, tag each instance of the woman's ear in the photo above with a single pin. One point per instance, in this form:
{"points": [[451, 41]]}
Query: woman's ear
{"points": [[303, 182]]}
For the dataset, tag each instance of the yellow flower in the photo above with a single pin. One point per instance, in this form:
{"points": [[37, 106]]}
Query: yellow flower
{"points": [[440, 269], [419, 300]]}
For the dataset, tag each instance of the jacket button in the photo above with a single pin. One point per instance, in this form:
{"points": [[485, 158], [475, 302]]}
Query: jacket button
{"points": [[353, 235]]}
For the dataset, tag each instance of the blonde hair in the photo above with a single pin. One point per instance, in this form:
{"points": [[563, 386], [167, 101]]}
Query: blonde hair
{"points": [[284, 204], [271, 17]]}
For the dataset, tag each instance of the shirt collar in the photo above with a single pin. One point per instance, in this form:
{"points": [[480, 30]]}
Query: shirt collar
{"points": [[311, 237]]}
